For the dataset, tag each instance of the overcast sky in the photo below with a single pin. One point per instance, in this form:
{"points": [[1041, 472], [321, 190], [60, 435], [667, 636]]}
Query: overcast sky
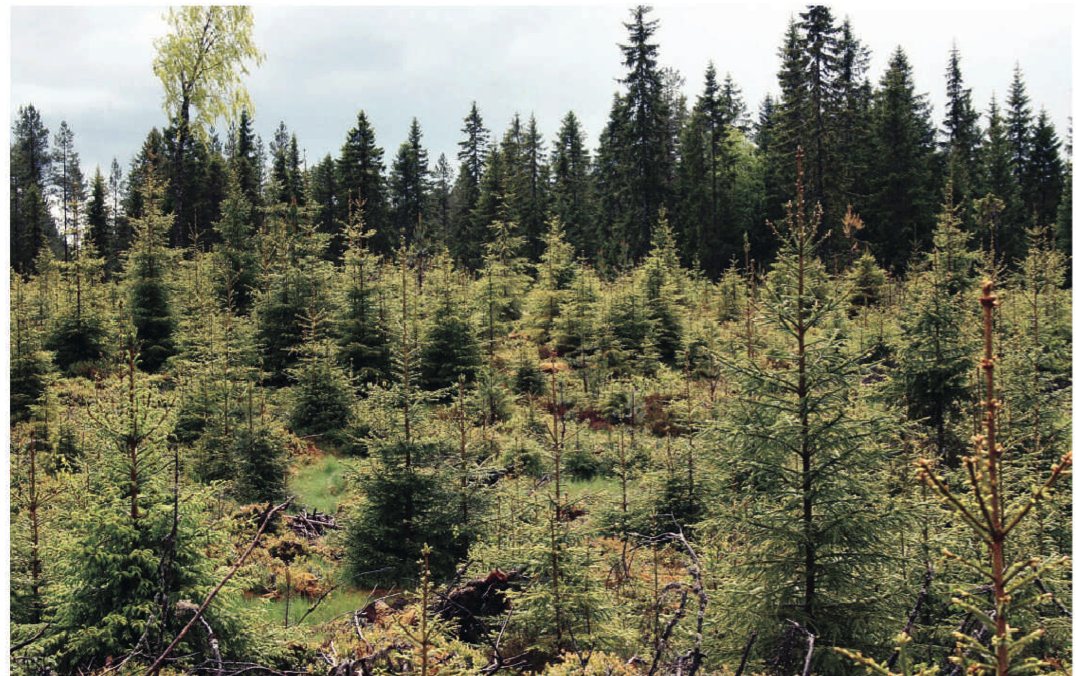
{"points": [[92, 66]]}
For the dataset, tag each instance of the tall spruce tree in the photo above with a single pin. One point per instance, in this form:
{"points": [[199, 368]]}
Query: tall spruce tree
{"points": [[1045, 172], [902, 167], [360, 176], [440, 202], [802, 438], [150, 305], [467, 233], [409, 187], [32, 226], [638, 143], [961, 136], [98, 223], [1019, 127], [571, 191]]}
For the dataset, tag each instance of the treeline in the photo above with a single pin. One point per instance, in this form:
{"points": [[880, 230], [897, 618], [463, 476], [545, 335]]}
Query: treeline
{"points": [[877, 165]]}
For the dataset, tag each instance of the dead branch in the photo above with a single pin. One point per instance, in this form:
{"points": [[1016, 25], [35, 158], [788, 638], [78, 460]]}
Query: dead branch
{"points": [[156, 666]]}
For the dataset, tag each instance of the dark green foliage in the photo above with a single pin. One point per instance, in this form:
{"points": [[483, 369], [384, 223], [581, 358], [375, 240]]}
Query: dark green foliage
{"points": [[31, 224], [571, 192], [466, 235], [961, 132], [150, 307], [636, 162], [408, 187], [362, 338], [237, 263], [900, 213], [1045, 172], [529, 380], [78, 343], [28, 379], [97, 222], [360, 180], [261, 460], [407, 504], [937, 357], [321, 398], [449, 351]]}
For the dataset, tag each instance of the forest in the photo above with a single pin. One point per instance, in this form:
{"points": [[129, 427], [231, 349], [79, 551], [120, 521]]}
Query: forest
{"points": [[783, 391]]}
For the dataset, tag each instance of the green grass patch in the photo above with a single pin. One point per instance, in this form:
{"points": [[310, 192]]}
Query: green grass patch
{"points": [[339, 602], [321, 484]]}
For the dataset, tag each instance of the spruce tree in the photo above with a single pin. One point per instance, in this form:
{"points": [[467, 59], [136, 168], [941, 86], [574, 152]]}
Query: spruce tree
{"points": [[98, 227], [571, 192], [236, 261], [407, 499], [361, 332], [132, 555], [408, 187], [638, 136], [1044, 172], [32, 226], [801, 438], [935, 362], [467, 233], [1019, 126], [321, 398], [150, 306], [440, 202], [449, 349], [902, 167], [360, 176], [961, 133]]}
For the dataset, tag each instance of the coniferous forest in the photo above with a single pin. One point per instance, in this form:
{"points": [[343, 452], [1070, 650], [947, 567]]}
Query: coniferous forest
{"points": [[730, 389]]}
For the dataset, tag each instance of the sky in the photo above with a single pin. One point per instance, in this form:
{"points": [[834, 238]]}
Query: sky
{"points": [[92, 66]]}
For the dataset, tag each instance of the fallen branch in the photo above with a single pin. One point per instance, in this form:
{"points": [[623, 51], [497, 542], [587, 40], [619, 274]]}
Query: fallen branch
{"points": [[746, 653], [315, 605], [914, 615], [22, 644], [156, 666]]}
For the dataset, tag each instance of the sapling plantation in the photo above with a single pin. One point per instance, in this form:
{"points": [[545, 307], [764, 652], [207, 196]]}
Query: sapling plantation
{"points": [[723, 390]]}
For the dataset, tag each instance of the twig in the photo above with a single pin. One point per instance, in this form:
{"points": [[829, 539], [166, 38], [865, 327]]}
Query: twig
{"points": [[22, 644], [156, 666], [315, 605], [928, 577], [746, 653]]}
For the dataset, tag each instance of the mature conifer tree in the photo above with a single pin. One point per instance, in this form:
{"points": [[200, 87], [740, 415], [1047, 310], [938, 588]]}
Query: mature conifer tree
{"points": [[409, 189], [902, 168], [68, 185], [360, 176], [1019, 127], [638, 142], [31, 223], [571, 192], [1045, 172], [439, 206], [961, 136], [98, 223], [467, 233]]}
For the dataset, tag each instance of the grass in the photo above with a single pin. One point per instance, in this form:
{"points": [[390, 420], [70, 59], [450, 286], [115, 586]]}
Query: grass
{"points": [[601, 488], [337, 603], [320, 485]]}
